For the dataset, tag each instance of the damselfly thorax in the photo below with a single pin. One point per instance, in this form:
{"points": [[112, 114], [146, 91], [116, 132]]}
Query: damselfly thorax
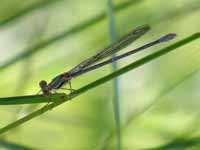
{"points": [[55, 84]]}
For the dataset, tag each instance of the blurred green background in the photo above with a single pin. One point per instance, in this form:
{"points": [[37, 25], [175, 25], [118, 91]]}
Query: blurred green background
{"points": [[159, 102]]}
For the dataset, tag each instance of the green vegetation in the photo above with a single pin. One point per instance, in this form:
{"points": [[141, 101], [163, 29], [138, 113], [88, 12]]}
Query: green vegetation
{"points": [[154, 105]]}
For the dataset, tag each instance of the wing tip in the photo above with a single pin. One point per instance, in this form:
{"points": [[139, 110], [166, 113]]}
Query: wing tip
{"points": [[141, 29]]}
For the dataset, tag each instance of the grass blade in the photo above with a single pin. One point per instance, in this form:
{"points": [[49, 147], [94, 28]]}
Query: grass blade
{"points": [[37, 98], [116, 99], [13, 146], [61, 98]]}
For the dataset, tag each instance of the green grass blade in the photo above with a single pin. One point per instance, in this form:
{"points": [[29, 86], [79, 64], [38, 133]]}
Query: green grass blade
{"points": [[59, 99], [30, 99], [179, 144], [37, 98]]}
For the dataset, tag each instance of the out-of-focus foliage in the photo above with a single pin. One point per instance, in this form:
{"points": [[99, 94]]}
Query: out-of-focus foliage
{"points": [[159, 101]]}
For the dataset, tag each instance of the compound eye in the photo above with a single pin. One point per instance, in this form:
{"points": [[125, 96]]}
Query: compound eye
{"points": [[43, 84]]}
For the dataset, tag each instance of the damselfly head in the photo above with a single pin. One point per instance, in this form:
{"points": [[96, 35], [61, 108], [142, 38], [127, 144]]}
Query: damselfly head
{"points": [[43, 84], [44, 88]]}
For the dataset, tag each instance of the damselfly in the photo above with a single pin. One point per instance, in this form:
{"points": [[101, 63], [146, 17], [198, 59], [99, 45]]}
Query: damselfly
{"points": [[91, 63]]}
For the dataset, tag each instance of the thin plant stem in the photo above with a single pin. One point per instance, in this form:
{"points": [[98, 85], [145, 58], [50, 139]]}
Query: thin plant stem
{"points": [[116, 96]]}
